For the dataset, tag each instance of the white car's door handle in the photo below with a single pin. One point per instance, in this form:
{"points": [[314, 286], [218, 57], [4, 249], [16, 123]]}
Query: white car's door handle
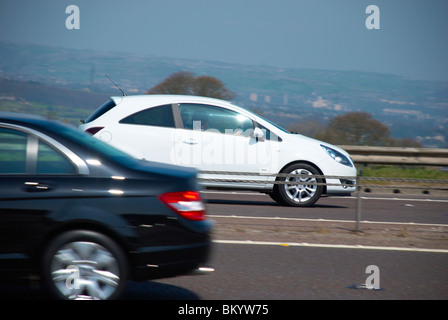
{"points": [[190, 141]]}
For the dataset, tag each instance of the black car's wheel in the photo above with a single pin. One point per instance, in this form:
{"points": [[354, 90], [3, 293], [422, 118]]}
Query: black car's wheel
{"points": [[299, 191], [84, 265]]}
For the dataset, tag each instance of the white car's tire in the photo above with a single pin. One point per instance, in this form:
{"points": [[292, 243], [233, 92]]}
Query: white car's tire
{"points": [[302, 191]]}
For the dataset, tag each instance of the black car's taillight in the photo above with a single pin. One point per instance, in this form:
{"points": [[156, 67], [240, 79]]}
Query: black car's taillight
{"points": [[94, 130], [187, 204]]}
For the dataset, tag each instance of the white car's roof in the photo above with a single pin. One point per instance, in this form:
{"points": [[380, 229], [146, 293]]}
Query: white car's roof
{"points": [[170, 98], [138, 102]]}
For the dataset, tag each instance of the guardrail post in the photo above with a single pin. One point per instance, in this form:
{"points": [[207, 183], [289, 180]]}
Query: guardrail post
{"points": [[358, 200]]}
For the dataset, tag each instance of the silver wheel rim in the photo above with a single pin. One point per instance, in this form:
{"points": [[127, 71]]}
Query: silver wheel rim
{"points": [[85, 270], [300, 190]]}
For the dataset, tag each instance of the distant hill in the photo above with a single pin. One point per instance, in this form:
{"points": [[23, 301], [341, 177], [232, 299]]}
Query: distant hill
{"points": [[72, 82], [54, 102]]}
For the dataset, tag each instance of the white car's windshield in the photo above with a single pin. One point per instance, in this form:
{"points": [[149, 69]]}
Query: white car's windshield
{"points": [[269, 121]]}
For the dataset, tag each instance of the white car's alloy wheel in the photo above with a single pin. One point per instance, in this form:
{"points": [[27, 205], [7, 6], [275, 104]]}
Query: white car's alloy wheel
{"points": [[299, 191]]}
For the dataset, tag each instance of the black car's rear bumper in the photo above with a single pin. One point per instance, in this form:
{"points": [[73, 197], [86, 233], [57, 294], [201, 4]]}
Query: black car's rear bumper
{"points": [[168, 261]]}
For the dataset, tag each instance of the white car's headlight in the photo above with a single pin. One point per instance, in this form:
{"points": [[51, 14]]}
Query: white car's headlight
{"points": [[337, 156]]}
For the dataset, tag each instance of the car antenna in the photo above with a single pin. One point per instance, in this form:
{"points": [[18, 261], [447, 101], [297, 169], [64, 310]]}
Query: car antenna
{"points": [[124, 94]]}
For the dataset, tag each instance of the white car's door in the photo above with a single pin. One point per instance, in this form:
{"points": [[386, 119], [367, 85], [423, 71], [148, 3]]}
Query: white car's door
{"points": [[147, 134], [219, 139]]}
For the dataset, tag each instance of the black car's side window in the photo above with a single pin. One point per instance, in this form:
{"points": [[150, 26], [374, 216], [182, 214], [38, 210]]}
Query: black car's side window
{"points": [[161, 116], [21, 153], [50, 161], [12, 151]]}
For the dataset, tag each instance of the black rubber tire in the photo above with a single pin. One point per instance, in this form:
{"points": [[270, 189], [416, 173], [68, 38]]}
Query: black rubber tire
{"points": [[307, 195], [96, 241]]}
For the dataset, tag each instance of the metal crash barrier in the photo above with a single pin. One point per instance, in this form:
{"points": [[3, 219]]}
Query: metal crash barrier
{"points": [[361, 183]]}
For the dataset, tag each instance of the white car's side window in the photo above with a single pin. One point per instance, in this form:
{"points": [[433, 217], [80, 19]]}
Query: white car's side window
{"points": [[206, 117], [161, 116]]}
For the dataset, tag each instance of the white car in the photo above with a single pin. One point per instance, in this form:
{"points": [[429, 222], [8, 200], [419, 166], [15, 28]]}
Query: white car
{"points": [[230, 146]]}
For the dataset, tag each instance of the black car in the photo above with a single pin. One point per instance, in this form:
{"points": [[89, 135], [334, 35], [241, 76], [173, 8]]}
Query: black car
{"points": [[86, 217]]}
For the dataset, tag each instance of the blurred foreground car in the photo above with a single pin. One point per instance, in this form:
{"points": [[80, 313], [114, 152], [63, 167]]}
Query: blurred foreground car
{"points": [[218, 138], [87, 217]]}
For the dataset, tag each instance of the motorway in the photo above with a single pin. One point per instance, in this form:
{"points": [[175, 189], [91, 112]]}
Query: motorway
{"points": [[263, 251], [379, 207]]}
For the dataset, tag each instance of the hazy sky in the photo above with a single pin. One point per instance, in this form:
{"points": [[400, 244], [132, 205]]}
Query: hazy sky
{"points": [[323, 34]]}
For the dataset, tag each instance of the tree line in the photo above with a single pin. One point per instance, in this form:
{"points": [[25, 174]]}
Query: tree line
{"points": [[186, 83], [354, 129]]}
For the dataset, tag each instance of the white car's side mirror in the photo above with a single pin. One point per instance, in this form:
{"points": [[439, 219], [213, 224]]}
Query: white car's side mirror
{"points": [[258, 133]]}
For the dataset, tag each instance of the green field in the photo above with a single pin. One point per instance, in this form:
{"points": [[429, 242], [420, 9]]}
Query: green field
{"points": [[405, 172], [405, 177]]}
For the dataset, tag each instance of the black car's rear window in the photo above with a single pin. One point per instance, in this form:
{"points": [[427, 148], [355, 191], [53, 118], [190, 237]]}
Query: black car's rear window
{"points": [[106, 106]]}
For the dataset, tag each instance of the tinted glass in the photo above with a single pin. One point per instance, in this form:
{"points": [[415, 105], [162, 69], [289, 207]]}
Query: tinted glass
{"points": [[206, 117], [12, 151], [13, 156], [161, 116], [50, 161], [101, 110]]}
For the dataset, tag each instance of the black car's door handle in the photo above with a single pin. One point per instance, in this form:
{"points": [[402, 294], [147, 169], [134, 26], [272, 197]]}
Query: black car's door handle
{"points": [[31, 186]]}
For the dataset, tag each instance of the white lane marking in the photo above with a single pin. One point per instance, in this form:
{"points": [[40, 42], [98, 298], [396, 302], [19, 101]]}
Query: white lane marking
{"points": [[235, 192], [400, 199], [336, 197], [337, 246], [327, 220], [304, 244]]}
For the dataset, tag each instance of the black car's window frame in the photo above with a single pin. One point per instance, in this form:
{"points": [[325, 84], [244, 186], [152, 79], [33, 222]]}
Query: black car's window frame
{"points": [[33, 139]]}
